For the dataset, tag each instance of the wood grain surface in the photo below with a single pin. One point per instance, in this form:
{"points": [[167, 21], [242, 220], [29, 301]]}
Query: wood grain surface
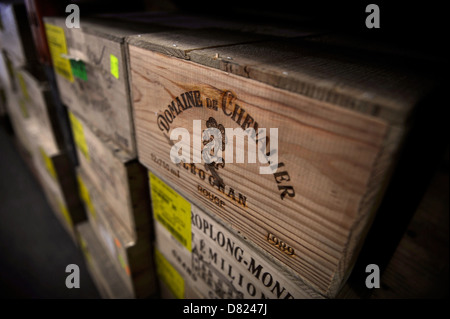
{"points": [[121, 179], [132, 257], [103, 272], [334, 162]]}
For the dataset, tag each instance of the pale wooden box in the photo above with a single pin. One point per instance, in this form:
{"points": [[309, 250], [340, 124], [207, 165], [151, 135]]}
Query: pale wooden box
{"points": [[132, 254], [121, 179], [341, 122]]}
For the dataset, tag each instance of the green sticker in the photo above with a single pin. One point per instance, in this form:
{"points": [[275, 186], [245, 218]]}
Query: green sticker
{"points": [[114, 66], [78, 69]]}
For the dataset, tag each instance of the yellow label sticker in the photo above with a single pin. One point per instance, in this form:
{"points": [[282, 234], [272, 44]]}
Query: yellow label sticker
{"points": [[23, 86], [57, 45], [65, 212], [114, 66], [84, 194], [171, 210], [85, 250], [78, 135], [48, 163], [169, 275], [23, 108]]}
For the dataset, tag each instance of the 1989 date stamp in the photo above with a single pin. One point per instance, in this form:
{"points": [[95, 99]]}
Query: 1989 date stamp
{"points": [[281, 245]]}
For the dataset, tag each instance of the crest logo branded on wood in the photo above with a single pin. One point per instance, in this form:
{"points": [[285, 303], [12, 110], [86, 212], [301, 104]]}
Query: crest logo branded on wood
{"points": [[325, 154], [339, 126]]}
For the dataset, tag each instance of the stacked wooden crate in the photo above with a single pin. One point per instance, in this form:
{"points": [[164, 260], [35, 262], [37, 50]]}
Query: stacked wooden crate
{"points": [[36, 10], [32, 113], [92, 79], [335, 121], [282, 210], [91, 70]]}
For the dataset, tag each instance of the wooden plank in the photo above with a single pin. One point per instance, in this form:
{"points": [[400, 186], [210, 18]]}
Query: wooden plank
{"points": [[169, 289], [105, 276], [419, 266], [120, 178], [2, 103], [340, 125], [36, 10], [18, 116], [53, 167], [215, 260], [57, 178], [133, 258], [15, 34]]}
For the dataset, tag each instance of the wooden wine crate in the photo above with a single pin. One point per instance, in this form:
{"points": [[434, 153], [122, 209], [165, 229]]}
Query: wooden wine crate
{"points": [[19, 117], [340, 121], [103, 272], [37, 99], [133, 257], [120, 177], [215, 260], [66, 207], [15, 34], [57, 177], [52, 166], [91, 73], [91, 67], [172, 284]]}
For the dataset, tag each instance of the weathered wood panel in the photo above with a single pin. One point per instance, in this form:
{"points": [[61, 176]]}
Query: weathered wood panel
{"points": [[340, 124], [120, 177], [15, 34], [108, 281], [133, 257]]}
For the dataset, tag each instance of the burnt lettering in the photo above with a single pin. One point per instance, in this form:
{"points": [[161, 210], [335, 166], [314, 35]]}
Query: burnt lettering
{"points": [[242, 118], [198, 99]]}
